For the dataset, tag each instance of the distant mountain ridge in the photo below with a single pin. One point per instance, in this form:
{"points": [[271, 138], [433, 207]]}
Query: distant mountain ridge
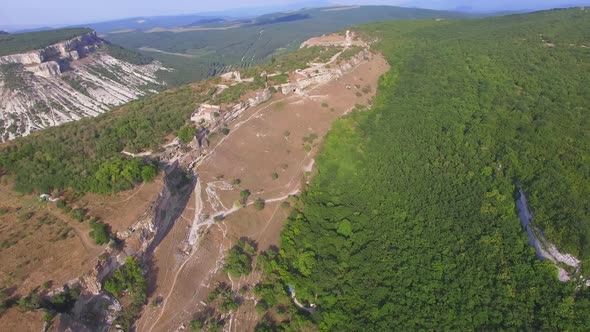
{"points": [[208, 49]]}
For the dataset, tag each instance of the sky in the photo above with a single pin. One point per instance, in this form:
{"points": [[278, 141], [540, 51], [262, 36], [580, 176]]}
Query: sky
{"points": [[62, 12]]}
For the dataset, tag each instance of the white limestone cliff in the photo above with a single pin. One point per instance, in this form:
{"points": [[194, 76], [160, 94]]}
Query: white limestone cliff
{"points": [[67, 81]]}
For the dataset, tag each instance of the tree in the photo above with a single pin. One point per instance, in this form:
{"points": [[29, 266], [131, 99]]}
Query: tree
{"points": [[186, 133], [79, 214], [238, 262], [3, 301], [345, 228], [30, 302], [100, 232], [259, 204], [148, 173], [244, 195], [239, 258]]}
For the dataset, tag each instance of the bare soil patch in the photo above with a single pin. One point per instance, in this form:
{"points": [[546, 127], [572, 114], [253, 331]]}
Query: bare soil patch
{"points": [[121, 210], [39, 244], [16, 320]]}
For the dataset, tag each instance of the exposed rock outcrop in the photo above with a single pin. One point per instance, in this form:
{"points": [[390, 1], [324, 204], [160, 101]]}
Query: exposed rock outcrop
{"points": [[147, 232], [67, 81], [543, 248]]}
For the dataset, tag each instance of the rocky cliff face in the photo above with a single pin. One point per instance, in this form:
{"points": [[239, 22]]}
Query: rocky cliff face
{"points": [[67, 81]]}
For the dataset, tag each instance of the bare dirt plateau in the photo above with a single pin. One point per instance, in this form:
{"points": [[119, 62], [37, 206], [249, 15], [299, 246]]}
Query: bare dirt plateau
{"points": [[266, 139]]}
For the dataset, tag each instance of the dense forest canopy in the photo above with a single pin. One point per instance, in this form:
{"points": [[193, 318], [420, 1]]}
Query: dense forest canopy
{"points": [[24, 42], [410, 223]]}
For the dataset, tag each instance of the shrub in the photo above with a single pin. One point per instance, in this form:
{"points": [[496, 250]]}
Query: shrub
{"points": [[225, 131], [100, 232], [196, 325], [61, 204], [148, 173], [275, 175], [236, 182], [30, 302], [186, 133], [259, 204], [239, 259], [79, 214], [47, 317], [244, 194], [128, 277]]}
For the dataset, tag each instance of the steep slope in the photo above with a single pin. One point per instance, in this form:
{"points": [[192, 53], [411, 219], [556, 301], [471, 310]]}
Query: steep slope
{"points": [[412, 221], [65, 81]]}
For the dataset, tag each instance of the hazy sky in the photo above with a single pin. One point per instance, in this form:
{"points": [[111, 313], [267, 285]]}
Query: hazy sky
{"points": [[55, 12]]}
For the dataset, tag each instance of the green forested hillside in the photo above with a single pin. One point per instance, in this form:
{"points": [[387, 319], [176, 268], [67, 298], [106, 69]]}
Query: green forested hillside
{"points": [[410, 223], [24, 42]]}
